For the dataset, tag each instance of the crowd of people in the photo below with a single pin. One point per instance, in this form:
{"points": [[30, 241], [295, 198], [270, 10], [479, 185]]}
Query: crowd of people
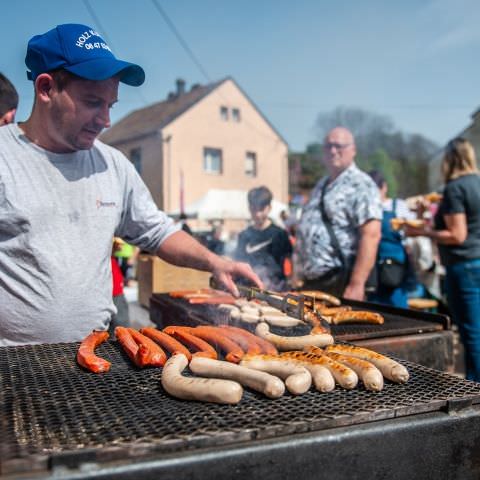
{"points": [[56, 245]]}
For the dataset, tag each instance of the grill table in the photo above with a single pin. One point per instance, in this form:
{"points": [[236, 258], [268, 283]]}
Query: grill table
{"points": [[59, 421], [419, 337]]}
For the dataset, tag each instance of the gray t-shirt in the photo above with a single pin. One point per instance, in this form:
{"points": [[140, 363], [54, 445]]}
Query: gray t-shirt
{"points": [[351, 200], [58, 216]]}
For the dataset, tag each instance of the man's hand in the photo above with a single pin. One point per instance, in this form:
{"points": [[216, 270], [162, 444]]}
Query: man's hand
{"points": [[183, 250], [226, 270], [355, 292]]}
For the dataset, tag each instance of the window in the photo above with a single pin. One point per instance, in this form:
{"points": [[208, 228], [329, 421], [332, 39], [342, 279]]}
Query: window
{"points": [[224, 114], [236, 114], [136, 159], [212, 160], [251, 164]]}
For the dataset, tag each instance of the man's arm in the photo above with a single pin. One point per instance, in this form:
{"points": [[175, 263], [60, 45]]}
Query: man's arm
{"points": [[183, 250], [370, 234]]}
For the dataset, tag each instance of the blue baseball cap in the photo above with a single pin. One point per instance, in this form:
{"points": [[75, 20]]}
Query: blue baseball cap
{"points": [[81, 50]]}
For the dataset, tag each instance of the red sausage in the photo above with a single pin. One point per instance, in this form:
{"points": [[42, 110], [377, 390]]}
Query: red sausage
{"points": [[86, 353], [128, 344], [183, 335], [149, 353], [166, 341], [214, 336], [266, 347], [243, 338]]}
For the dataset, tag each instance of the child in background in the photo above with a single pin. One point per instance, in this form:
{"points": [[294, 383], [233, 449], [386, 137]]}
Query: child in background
{"points": [[264, 245]]}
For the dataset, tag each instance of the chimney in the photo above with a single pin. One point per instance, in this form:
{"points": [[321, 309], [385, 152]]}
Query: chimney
{"points": [[180, 86]]}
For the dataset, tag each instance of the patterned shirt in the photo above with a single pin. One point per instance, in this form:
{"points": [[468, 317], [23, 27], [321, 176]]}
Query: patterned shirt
{"points": [[350, 201]]}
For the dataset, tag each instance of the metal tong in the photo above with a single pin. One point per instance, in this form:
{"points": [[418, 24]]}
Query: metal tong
{"points": [[293, 305]]}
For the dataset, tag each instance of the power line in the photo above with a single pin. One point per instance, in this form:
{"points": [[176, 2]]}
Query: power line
{"points": [[97, 22], [181, 40]]}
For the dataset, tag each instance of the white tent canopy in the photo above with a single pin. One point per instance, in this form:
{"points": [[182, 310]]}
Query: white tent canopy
{"points": [[219, 204]]}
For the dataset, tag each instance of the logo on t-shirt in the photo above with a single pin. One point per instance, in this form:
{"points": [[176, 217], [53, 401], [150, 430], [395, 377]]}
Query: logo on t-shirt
{"points": [[255, 248], [101, 204]]}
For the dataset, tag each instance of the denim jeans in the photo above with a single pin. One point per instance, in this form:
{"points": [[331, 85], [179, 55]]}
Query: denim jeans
{"points": [[463, 295]]}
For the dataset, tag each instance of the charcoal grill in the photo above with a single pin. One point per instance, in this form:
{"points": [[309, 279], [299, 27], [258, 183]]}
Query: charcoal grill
{"points": [[421, 337], [60, 421]]}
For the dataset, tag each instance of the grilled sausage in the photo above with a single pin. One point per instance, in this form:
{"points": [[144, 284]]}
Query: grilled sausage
{"points": [[390, 369], [215, 336], [264, 345], [321, 376], [128, 344], [86, 353], [245, 339], [201, 389], [262, 382], [368, 373], [183, 335], [293, 343], [221, 300], [166, 341], [343, 375], [149, 353], [318, 295], [281, 320], [297, 378], [356, 316], [329, 311]]}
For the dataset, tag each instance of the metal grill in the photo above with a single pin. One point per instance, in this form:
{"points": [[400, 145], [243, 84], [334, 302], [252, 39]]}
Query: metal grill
{"points": [[52, 411], [174, 311]]}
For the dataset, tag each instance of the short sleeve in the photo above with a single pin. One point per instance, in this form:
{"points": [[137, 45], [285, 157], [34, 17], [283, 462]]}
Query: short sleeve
{"points": [[453, 199], [367, 204]]}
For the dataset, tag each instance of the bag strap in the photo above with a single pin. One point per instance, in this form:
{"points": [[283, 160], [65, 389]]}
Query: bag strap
{"points": [[329, 227], [394, 206]]}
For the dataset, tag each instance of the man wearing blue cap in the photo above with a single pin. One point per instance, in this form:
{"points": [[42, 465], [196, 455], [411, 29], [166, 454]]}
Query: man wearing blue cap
{"points": [[64, 195]]}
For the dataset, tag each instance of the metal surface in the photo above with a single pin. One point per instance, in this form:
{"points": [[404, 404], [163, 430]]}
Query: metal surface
{"points": [[398, 321], [54, 414]]}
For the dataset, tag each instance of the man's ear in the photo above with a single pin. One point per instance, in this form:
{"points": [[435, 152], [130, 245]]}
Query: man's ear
{"points": [[44, 84], [8, 117]]}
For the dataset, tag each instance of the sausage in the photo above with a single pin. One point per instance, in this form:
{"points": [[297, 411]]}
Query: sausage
{"points": [[293, 343], [183, 335], [318, 295], [251, 309], [329, 311], [297, 378], [321, 376], [262, 382], [215, 336], [86, 353], [282, 320], [185, 293], [344, 376], [356, 316], [249, 317], [368, 373], [128, 344], [166, 341], [245, 339], [201, 389], [390, 369], [265, 346], [211, 300], [149, 353]]}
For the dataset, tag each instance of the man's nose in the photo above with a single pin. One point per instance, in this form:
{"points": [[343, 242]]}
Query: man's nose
{"points": [[103, 117]]}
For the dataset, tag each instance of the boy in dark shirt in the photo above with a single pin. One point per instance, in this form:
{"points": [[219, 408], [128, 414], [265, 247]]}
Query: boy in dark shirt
{"points": [[264, 245]]}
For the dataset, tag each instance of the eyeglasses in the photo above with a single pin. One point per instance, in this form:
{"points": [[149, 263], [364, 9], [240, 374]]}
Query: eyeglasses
{"points": [[337, 146]]}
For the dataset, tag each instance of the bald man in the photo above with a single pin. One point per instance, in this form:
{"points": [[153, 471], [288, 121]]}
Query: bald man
{"points": [[340, 228]]}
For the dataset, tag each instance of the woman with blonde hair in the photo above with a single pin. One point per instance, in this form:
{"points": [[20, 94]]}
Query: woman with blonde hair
{"points": [[457, 233]]}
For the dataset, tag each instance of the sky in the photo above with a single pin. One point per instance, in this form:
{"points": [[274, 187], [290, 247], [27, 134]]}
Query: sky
{"points": [[415, 61]]}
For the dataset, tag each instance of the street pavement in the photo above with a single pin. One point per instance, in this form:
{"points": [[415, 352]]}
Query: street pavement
{"points": [[139, 315]]}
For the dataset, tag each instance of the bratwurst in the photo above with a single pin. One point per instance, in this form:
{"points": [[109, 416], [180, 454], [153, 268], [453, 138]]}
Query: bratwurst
{"points": [[194, 388]]}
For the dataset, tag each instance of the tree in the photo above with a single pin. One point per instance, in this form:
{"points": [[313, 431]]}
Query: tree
{"points": [[403, 158]]}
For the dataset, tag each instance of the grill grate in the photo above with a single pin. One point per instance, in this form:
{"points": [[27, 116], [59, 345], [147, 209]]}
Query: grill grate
{"points": [[50, 406], [175, 311]]}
